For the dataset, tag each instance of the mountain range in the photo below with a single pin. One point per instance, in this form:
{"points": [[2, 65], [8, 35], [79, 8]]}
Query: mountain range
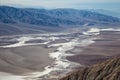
{"points": [[28, 20], [106, 12]]}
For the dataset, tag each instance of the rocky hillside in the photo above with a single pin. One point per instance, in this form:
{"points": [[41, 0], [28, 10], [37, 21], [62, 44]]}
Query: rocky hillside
{"points": [[108, 70]]}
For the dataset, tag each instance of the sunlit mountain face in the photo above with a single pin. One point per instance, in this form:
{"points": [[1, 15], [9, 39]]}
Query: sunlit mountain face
{"points": [[59, 40]]}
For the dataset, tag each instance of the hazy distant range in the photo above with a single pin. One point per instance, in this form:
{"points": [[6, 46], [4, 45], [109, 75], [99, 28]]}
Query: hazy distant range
{"points": [[28, 20]]}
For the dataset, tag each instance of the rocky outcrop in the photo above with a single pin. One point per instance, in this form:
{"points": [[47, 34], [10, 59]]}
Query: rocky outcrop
{"points": [[108, 70]]}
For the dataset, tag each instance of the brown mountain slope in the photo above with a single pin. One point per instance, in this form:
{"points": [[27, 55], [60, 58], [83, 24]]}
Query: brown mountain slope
{"points": [[108, 70]]}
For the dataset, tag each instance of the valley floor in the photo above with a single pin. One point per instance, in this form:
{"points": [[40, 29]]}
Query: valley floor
{"points": [[106, 46], [44, 57]]}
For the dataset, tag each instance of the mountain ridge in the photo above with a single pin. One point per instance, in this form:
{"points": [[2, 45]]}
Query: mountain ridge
{"points": [[30, 20], [54, 17], [106, 12], [108, 70]]}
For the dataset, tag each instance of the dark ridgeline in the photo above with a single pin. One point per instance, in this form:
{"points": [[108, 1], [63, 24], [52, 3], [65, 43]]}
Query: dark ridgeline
{"points": [[108, 70]]}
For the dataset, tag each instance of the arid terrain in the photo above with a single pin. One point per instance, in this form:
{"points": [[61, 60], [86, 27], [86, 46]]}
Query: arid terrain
{"points": [[106, 46], [52, 56], [107, 70]]}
